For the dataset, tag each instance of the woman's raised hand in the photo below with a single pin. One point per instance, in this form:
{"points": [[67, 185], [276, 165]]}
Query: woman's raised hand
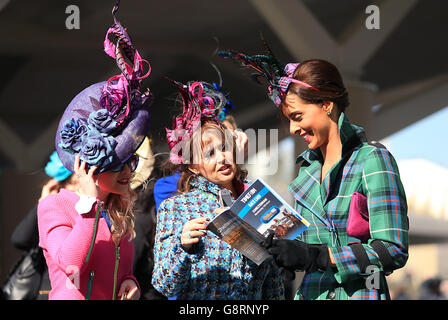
{"points": [[242, 146], [51, 187], [87, 183]]}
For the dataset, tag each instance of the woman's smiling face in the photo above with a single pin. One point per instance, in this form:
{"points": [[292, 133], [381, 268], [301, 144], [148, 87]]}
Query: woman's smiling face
{"points": [[308, 120], [115, 182]]}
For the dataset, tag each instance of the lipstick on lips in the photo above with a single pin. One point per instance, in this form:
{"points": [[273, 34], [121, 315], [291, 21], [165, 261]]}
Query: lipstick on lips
{"points": [[306, 136], [225, 169], [124, 181]]}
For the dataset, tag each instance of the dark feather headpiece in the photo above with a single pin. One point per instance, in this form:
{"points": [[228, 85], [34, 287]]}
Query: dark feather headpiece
{"points": [[267, 66]]}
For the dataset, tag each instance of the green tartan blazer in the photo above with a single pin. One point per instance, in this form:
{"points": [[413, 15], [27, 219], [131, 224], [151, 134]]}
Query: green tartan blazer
{"points": [[370, 169]]}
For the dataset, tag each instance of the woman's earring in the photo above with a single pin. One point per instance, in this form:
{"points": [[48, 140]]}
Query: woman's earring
{"points": [[328, 113]]}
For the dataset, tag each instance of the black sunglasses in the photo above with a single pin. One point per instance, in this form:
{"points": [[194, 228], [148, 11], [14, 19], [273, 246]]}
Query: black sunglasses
{"points": [[132, 163]]}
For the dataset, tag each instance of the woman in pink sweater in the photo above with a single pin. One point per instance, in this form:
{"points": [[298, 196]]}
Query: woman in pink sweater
{"points": [[86, 236], [70, 223]]}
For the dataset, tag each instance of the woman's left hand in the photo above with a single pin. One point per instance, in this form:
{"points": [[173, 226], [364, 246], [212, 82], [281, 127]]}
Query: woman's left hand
{"points": [[192, 231], [86, 178], [129, 290]]}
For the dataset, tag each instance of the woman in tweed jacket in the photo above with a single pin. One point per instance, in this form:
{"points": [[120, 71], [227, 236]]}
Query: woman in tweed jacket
{"points": [[190, 262], [338, 162]]}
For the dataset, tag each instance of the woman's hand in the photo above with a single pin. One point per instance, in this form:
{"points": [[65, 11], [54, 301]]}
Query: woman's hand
{"points": [[241, 144], [86, 180], [297, 255], [191, 232], [128, 290], [51, 187]]}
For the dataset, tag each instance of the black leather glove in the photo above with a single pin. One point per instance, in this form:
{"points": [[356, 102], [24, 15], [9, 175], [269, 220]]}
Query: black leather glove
{"points": [[297, 255]]}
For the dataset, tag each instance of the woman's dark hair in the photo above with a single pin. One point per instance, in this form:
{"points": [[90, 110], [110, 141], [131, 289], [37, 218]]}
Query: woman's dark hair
{"points": [[323, 76]]}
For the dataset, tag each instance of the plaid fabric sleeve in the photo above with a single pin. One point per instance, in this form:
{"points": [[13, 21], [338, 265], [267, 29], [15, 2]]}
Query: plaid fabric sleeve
{"points": [[386, 201], [171, 262]]}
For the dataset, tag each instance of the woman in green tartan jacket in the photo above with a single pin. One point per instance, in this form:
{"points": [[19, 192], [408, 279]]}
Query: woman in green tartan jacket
{"points": [[338, 162]]}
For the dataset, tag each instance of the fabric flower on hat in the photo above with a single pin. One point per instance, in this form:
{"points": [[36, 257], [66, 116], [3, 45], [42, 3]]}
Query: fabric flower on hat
{"points": [[102, 121], [97, 149], [71, 134]]}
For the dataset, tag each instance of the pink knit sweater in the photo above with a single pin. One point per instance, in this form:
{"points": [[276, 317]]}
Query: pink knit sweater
{"points": [[65, 237]]}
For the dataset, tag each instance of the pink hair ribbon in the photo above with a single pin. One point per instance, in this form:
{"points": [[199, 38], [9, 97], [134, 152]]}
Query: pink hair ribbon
{"points": [[304, 84]]}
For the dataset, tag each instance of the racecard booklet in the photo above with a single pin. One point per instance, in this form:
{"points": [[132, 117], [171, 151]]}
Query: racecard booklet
{"points": [[258, 212]]}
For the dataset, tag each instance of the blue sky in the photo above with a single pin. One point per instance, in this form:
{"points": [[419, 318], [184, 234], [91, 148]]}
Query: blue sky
{"points": [[425, 139]]}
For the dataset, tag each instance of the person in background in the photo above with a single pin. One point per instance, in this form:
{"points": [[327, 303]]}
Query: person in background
{"points": [[165, 187], [86, 236], [338, 166], [26, 236], [431, 289], [147, 172]]}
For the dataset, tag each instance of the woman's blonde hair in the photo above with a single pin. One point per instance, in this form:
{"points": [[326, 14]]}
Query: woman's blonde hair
{"points": [[120, 209]]}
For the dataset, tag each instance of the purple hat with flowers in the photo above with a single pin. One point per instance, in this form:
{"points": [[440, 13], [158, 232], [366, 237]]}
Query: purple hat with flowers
{"points": [[106, 122]]}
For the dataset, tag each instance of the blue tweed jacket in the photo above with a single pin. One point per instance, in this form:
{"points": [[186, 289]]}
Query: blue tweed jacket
{"points": [[215, 270]]}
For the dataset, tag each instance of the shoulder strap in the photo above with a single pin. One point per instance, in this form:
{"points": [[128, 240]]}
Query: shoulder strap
{"points": [[92, 242], [95, 227], [383, 255]]}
